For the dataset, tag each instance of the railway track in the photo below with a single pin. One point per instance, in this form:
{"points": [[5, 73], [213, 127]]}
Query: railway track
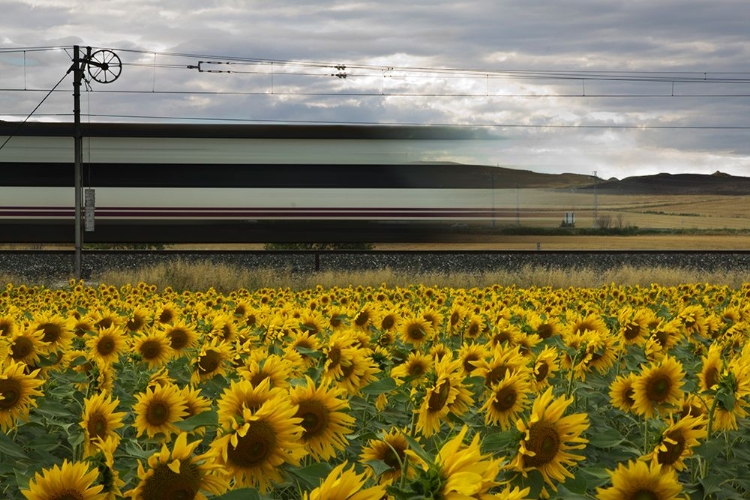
{"points": [[53, 265]]}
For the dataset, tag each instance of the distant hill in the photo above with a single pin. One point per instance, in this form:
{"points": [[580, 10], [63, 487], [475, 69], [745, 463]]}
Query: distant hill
{"points": [[716, 183]]}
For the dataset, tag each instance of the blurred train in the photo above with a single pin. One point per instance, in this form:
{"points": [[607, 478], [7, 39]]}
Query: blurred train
{"points": [[170, 183]]}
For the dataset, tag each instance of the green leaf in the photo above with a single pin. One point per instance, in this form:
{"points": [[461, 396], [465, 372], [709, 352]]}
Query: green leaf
{"points": [[710, 485], [312, 475], [417, 448], [241, 494], [10, 448], [380, 386], [204, 419], [378, 466], [577, 484], [606, 439]]}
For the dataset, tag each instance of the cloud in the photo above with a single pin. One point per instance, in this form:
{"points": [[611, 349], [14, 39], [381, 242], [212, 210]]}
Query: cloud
{"points": [[683, 37]]}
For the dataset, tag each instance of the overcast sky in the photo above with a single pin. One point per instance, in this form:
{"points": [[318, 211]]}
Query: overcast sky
{"points": [[624, 108]]}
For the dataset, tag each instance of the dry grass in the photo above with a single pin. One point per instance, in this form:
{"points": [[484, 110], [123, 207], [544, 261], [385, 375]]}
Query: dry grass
{"points": [[181, 275]]}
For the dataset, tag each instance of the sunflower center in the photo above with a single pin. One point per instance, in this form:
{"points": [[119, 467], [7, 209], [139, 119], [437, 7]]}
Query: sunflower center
{"points": [[505, 398], [52, 332], [495, 375], [415, 332], [334, 355], [178, 338], [454, 318], [628, 396], [21, 347], [644, 495], [315, 418], [97, 426], [657, 389], [712, 377], [209, 362], [166, 484], [393, 459], [473, 330], [254, 447], [674, 450], [157, 413], [388, 322], [151, 349], [136, 323], [105, 322], [10, 390], [417, 368], [258, 378], [105, 346], [6, 327], [440, 397], [468, 360], [166, 316], [544, 441], [544, 330], [631, 331], [68, 494], [362, 318], [542, 369]]}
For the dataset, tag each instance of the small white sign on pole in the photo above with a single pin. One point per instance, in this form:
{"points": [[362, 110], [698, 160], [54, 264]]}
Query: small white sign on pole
{"points": [[89, 203]]}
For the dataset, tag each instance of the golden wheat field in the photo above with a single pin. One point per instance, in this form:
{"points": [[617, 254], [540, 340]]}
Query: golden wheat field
{"points": [[372, 392]]}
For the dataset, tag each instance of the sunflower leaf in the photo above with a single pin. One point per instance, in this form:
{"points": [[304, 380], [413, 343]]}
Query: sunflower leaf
{"points": [[417, 448], [312, 475], [241, 494], [10, 448], [380, 386], [606, 439], [204, 419]]}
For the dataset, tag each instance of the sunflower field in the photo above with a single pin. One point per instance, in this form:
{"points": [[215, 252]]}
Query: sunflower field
{"points": [[618, 392]]}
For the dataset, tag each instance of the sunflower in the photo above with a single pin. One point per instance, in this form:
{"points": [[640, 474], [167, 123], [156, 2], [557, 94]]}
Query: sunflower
{"points": [[107, 345], [99, 421], [71, 480], [26, 346], [545, 367], [181, 336], [445, 395], [638, 480], [548, 438], [364, 318], [338, 351], [415, 366], [621, 392], [304, 343], [17, 390], [463, 471], [167, 313], [241, 395], [633, 325], [473, 357], [57, 331], [389, 320], [677, 442], [416, 331], [104, 459], [713, 365], [504, 359], [272, 367], [343, 484], [153, 347], [212, 360], [358, 372], [507, 399], [179, 474], [139, 318], [257, 444], [658, 386], [323, 418], [7, 325], [157, 410], [392, 449]]}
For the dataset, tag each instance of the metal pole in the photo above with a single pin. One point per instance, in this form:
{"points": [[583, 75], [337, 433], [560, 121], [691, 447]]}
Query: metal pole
{"points": [[78, 143]]}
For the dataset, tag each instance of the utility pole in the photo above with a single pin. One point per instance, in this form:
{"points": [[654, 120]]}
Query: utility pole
{"points": [[108, 67], [78, 68]]}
